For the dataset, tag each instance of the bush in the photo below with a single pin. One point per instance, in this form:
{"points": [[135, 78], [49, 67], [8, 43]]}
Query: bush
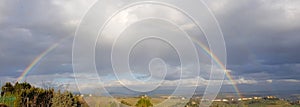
{"points": [[125, 103], [144, 102]]}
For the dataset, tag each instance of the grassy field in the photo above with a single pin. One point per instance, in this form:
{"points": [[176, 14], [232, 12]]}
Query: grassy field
{"points": [[110, 102], [256, 103], [156, 101]]}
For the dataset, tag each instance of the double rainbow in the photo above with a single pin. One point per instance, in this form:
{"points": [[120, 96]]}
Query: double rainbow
{"points": [[38, 59]]}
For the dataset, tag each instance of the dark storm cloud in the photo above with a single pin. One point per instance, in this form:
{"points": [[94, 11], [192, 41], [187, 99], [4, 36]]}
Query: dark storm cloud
{"points": [[30, 27], [261, 36]]}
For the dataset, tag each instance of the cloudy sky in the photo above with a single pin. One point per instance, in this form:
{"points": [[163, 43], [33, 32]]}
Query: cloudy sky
{"points": [[261, 36]]}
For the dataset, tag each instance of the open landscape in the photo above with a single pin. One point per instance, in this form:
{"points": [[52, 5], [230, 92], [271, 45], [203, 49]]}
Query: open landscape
{"points": [[26, 95], [149, 53]]}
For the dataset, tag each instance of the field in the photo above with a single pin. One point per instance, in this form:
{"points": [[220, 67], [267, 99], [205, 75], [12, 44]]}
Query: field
{"points": [[162, 102], [256, 103], [109, 102]]}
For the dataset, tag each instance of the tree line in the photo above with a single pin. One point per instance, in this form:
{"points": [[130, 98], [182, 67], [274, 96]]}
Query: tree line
{"points": [[26, 95]]}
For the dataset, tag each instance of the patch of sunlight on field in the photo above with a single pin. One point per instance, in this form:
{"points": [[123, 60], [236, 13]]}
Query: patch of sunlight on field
{"points": [[155, 101], [99, 101]]}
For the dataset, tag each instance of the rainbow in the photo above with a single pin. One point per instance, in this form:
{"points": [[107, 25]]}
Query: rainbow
{"points": [[223, 67], [52, 47], [35, 62], [37, 59]]}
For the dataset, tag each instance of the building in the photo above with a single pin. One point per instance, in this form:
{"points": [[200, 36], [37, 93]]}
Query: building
{"points": [[220, 100], [244, 99], [257, 98]]}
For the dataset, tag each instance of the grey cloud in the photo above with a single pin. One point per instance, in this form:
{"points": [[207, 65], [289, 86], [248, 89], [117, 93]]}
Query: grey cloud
{"points": [[261, 36], [28, 28]]}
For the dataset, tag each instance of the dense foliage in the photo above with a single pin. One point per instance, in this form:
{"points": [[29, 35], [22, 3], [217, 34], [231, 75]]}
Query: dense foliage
{"points": [[26, 95], [144, 102]]}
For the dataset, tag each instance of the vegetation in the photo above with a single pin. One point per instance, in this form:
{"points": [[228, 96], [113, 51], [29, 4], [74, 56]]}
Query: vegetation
{"points": [[26, 95], [144, 102], [3, 105], [65, 99], [4, 101], [125, 103], [248, 103]]}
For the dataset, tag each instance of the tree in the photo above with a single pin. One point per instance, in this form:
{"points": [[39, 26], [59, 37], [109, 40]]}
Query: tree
{"points": [[43, 97], [27, 95], [65, 99], [18, 87], [144, 102], [7, 89]]}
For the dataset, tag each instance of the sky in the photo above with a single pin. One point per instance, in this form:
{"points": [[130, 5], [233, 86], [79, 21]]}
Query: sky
{"points": [[261, 36]]}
